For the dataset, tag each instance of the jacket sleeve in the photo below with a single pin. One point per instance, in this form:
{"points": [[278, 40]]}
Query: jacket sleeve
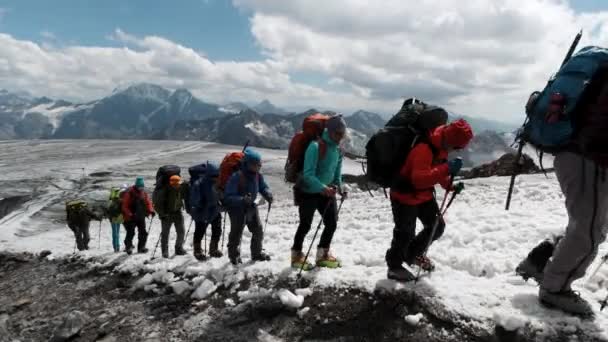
{"points": [[338, 173], [309, 173], [148, 203], [424, 175], [232, 197], [263, 186], [92, 215], [126, 207]]}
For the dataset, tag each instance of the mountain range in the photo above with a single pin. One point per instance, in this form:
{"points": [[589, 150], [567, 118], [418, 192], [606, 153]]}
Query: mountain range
{"points": [[148, 111]]}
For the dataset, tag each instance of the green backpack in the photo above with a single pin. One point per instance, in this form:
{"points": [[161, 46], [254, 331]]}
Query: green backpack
{"points": [[115, 207], [74, 209]]}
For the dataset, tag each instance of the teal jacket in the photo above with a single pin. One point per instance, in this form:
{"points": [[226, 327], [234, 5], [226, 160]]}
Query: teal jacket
{"points": [[319, 173]]}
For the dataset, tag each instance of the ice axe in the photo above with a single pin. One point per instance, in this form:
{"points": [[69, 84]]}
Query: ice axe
{"points": [[99, 236]]}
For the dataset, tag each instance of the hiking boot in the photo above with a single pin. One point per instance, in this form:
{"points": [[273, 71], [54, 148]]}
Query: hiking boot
{"points": [[567, 301], [400, 274], [165, 254], [180, 250], [236, 261], [214, 251], [326, 259], [129, 250], [261, 257], [198, 251], [526, 269], [424, 263], [142, 250], [298, 260]]}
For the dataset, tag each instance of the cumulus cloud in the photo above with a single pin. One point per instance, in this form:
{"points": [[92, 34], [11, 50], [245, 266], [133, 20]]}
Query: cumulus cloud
{"points": [[474, 56], [84, 72], [478, 57]]}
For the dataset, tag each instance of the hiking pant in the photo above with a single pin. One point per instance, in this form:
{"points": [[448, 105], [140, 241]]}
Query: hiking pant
{"points": [[200, 229], [81, 233], [406, 245], [585, 189], [116, 236], [326, 206], [240, 217], [142, 235], [166, 222]]}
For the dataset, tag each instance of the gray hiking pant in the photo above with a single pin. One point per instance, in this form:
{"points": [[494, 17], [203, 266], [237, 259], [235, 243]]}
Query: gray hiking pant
{"points": [[166, 223], [81, 233], [585, 189], [238, 219]]}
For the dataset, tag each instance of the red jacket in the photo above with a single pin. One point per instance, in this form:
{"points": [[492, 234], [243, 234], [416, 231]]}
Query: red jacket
{"points": [[423, 170], [136, 204]]}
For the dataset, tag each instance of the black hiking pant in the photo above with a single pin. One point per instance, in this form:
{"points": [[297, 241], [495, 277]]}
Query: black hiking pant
{"points": [[309, 204], [142, 235], [176, 219], [82, 235], [240, 217], [406, 245], [200, 229]]}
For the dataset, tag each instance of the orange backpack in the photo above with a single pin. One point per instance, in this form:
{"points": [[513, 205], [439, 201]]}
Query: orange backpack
{"points": [[312, 128], [230, 164]]}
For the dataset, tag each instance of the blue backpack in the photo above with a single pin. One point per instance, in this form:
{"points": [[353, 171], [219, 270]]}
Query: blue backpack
{"points": [[197, 175], [555, 115]]}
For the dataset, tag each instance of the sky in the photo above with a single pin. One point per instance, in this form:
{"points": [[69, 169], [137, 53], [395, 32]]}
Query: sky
{"points": [[480, 58]]}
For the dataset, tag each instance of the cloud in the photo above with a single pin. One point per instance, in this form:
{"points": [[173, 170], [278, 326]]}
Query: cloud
{"points": [[479, 57], [84, 72]]}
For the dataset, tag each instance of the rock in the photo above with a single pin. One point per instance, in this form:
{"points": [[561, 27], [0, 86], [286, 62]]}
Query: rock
{"points": [[503, 166], [108, 339], [44, 254], [4, 326], [21, 302], [71, 326], [104, 329]]}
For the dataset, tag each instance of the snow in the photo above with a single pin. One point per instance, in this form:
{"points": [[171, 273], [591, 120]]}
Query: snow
{"points": [[204, 290], [229, 302], [475, 259], [302, 312], [413, 320], [289, 299], [180, 287], [55, 115], [304, 292]]}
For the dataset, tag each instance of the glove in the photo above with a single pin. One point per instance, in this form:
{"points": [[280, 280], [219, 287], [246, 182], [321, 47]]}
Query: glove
{"points": [[454, 166], [458, 187], [247, 200], [269, 198], [329, 191]]}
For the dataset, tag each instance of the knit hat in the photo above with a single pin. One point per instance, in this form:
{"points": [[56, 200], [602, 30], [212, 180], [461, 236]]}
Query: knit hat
{"points": [[139, 182], [457, 134], [252, 156], [336, 123]]}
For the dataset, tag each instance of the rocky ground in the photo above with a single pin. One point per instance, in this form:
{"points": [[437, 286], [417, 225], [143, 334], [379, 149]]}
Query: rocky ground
{"points": [[68, 299]]}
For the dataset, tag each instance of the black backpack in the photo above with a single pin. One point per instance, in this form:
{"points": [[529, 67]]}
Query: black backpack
{"points": [[387, 150], [162, 179]]}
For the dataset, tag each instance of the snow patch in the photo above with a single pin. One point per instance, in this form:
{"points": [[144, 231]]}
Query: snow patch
{"points": [[179, 287], [302, 312], [509, 322], [413, 320], [304, 292], [264, 336], [289, 299], [204, 290]]}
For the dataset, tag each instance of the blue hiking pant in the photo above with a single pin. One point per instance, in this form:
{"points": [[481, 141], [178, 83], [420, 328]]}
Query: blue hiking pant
{"points": [[116, 236]]}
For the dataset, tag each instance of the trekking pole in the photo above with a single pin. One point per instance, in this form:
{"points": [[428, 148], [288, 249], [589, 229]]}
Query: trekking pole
{"points": [[205, 242], [267, 215], [155, 247], [440, 214], [188, 231], [224, 230], [313, 239]]}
